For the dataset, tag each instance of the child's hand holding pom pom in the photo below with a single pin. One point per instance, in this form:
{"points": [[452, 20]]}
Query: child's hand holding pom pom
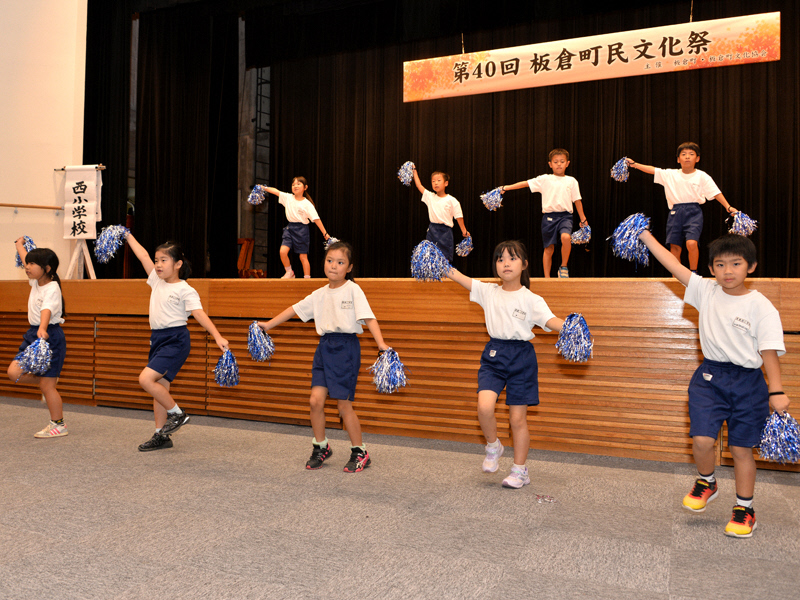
{"points": [[330, 242], [226, 373], [406, 173], [742, 224], [109, 241], [575, 342], [428, 263], [626, 243], [780, 439], [29, 245], [619, 172], [493, 199], [256, 197], [583, 235], [389, 372], [464, 246], [35, 359], [259, 344]]}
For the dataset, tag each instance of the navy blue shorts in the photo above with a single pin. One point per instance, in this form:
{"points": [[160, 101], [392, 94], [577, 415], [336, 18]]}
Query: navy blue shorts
{"points": [[58, 347], [169, 349], [336, 365], [726, 392], [442, 236], [685, 221], [510, 364], [296, 237], [553, 225]]}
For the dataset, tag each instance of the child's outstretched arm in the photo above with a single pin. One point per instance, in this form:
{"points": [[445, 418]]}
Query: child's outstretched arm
{"points": [[140, 253], [554, 324], [520, 185], [643, 168], [417, 182], [778, 402], [204, 320], [375, 330], [460, 278], [318, 223], [666, 258], [272, 190], [20, 245], [275, 321]]}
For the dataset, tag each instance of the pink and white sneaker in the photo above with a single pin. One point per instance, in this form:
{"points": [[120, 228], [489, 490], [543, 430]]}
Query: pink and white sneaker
{"points": [[52, 430], [517, 478]]}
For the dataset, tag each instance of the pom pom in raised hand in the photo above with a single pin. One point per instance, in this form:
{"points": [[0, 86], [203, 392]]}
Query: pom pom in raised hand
{"points": [[575, 342], [226, 373], [29, 245], [256, 197], [109, 241], [626, 243], [780, 439], [464, 246], [389, 372], [743, 225], [492, 199], [259, 344], [582, 236], [428, 263], [406, 173], [330, 242], [619, 172], [35, 359]]}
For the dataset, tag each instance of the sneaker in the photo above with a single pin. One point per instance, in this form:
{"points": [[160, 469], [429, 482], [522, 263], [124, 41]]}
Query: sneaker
{"points": [[359, 460], [702, 493], [492, 460], [743, 522], [159, 441], [288, 275], [52, 430], [318, 456], [174, 422], [517, 478], [563, 273]]}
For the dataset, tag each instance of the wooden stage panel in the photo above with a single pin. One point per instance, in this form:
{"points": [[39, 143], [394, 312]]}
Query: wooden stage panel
{"points": [[628, 400]]}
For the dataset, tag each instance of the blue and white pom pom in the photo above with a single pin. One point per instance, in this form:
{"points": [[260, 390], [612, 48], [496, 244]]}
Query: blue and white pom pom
{"points": [[109, 241], [464, 246], [626, 243], [389, 372], [256, 197], [428, 263], [35, 359], [582, 236], [492, 199], [780, 439], [619, 172], [259, 344], [330, 242], [226, 373], [743, 225], [406, 173], [29, 245], [575, 342]]}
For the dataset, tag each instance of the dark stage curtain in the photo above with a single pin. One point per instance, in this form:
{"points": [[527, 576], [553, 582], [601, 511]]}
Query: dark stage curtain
{"points": [[186, 173], [339, 120]]}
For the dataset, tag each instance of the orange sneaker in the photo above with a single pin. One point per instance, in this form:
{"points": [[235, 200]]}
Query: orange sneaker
{"points": [[702, 493], [743, 522]]}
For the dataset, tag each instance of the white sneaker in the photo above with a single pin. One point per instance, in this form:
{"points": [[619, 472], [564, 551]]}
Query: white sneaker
{"points": [[52, 430], [492, 460], [288, 275], [517, 478]]}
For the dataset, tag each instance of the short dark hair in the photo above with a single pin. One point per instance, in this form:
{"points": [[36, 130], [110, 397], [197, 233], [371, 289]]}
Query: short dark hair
{"points": [[514, 248], [444, 175], [688, 146], [732, 244], [556, 152]]}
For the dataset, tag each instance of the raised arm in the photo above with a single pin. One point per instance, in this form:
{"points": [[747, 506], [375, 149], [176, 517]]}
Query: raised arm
{"points": [[140, 253], [640, 167], [779, 402], [375, 330], [20, 245], [417, 182], [281, 318], [460, 278], [201, 317], [666, 258]]}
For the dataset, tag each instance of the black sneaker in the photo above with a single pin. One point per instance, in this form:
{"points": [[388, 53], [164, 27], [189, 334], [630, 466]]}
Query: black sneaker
{"points": [[175, 422], [159, 441], [359, 460], [318, 456]]}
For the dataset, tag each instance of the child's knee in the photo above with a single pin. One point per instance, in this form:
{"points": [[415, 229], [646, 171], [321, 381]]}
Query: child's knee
{"points": [[566, 238]]}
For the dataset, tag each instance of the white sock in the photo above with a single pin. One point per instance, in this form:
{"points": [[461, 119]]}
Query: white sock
{"points": [[288, 269], [522, 468], [742, 502], [708, 478], [322, 444], [175, 410], [494, 444]]}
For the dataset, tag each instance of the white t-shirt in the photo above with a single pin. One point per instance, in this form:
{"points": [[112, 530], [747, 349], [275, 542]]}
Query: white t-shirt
{"points": [[734, 329], [558, 193], [298, 211], [341, 310], [510, 315], [682, 188], [171, 303], [47, 296], [442, 210]]}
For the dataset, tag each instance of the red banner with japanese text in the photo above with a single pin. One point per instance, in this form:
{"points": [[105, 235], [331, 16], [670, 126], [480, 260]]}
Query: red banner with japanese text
{"points": [[680, 47]]}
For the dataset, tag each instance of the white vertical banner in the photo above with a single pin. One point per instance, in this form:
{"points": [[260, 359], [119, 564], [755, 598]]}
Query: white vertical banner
{"points": [[82, 202]]}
